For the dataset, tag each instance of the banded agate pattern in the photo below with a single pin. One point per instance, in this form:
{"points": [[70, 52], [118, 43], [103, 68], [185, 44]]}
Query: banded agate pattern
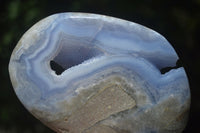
{"points": [[89, 73]]}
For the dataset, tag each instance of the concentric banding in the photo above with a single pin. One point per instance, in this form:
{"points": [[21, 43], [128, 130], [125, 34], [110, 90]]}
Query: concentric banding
{"points": [[93, 50]]}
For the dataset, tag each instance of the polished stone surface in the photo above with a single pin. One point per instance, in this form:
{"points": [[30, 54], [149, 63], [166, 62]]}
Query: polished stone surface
{"points": [[110, 78]]}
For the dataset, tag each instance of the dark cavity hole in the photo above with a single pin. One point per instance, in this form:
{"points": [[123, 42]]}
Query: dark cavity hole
{"points": [[56, 67], [167, 69], [72, 54]]}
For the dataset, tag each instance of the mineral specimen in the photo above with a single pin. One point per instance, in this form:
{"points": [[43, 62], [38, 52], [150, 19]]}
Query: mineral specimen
{"points": [[88, 73]]}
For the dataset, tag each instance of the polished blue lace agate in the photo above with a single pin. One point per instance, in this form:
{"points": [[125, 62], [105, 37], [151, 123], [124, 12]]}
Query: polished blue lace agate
{"points": [[88, 73]]}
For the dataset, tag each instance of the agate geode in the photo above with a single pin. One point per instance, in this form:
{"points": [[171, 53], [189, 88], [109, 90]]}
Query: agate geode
{"points": [[87, 73]]}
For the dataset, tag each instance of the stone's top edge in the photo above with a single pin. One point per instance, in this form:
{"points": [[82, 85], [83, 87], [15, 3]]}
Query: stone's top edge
{"points": [[97, 16], [106, 18], [73, 15]]}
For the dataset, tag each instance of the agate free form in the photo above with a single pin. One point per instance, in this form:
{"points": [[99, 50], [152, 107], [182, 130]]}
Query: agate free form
{"points": [[88, 73]]}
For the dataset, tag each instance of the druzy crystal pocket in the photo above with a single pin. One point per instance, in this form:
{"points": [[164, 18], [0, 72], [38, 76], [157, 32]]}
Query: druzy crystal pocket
{"points": [[88, 73]]}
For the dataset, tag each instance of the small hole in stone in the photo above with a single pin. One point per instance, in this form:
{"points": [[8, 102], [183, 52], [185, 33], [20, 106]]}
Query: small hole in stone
{"points": [[56, 67], [167, 69]]}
